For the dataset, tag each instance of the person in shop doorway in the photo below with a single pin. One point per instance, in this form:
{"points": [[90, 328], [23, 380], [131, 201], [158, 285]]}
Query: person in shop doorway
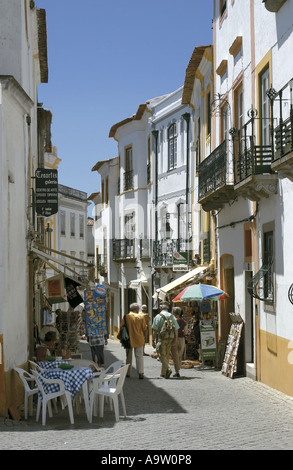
{"points": [[144, 311], [97, 343], [177, 347], [47, 347], [163, 344], [137, 328]]}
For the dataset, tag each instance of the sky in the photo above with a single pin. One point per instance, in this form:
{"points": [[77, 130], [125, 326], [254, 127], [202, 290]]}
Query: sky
{"points": [[105, 58]]}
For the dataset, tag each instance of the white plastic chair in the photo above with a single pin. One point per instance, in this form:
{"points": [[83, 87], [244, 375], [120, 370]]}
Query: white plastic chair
{"points": [[97, 381], [112, 387], [47, 397], [29, 391], [110, 369], [35, 366], [85, 363]]}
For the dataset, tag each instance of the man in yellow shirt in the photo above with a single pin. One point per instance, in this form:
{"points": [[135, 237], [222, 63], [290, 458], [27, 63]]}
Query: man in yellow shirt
{"points": [[137, 330]]}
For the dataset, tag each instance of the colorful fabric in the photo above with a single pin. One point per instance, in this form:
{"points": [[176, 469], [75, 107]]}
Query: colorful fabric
{"points": [[95, 311]]}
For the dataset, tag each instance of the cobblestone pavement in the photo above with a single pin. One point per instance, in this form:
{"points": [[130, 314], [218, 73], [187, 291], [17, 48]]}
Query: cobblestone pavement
{"points": [[201, 410]]}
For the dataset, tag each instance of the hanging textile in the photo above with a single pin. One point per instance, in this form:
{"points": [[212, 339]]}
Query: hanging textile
{"points": [[73, 296], [95, 311]]}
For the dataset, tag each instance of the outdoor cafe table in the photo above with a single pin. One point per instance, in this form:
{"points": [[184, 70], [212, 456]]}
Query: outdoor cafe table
{"points": [[74, 379], [51, 364]]}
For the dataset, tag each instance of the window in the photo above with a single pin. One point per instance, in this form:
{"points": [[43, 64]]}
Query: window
{"points": [[128, 174], [107, 191], [264, 82], [128, 159], [129, 226], [181, 222], [81, 226], [103, 192], [267, 261], [223, 7], [165, 230], [72, 224], [172, 147], [149, 161], [62, 223], [248, 242], [239, 117], [224, 123], [209, 115]]}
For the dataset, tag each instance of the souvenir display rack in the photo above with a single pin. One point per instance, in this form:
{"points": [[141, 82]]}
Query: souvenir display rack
{"points": [[68, 325], [229, 366]]}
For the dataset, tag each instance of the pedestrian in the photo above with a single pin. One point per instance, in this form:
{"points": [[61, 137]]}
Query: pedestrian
{"points": [[177, 348], [162, 340], [137, 328], [97, 343], [147, 318]]}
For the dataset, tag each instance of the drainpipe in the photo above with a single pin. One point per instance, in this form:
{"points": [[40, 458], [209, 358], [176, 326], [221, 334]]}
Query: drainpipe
{"points": [[155, 134], [186, 116]]}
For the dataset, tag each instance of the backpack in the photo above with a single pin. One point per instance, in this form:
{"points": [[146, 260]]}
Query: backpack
{"points": [[168, 329], [123, 336]]}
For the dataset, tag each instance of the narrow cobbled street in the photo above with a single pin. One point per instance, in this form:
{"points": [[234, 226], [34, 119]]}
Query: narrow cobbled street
{"points": [[201, 410]]}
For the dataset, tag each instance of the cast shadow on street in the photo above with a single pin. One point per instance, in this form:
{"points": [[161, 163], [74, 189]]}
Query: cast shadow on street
{"points": [[142, 397]]}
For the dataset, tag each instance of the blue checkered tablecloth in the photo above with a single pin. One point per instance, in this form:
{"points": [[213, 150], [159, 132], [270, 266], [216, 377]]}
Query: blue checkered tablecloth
{"points": [[51, 364], [73, 378]]}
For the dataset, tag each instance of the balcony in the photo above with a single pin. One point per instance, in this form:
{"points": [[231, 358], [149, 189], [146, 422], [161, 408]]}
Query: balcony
{"points": [[283, 158], [123, 249], [214, 187], [164, 251], [253, 174], [128, 180], [273, 5]]}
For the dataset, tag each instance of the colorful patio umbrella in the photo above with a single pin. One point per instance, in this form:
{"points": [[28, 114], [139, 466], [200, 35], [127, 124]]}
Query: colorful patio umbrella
{"points": [[200, 292]]}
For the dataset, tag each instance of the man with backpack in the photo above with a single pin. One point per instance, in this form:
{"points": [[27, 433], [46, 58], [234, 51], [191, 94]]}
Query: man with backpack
{"points": [[165, 332]]}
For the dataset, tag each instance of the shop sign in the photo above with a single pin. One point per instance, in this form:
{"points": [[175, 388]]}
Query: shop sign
{"points": [[55, 289], [180, 261], [46, 192], [208, 341]]}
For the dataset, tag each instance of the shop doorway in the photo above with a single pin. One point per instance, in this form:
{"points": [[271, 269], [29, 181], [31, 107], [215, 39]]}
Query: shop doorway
{"points": [[227, 284], [249, 322]]}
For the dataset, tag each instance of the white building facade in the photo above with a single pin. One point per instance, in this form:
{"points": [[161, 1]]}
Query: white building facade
{"points": [[23, 65], [246, 181]]}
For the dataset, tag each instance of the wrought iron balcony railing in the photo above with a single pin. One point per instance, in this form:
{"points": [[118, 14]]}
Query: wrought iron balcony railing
{"points": [[123, 249], [148, 173], [164, 250], [128, 180], [261, 286], [212, 171], [250, 159], [284, 138], [255, 160]]}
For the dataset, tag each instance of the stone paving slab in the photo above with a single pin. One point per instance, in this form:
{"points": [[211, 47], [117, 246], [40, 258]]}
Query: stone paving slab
{"points": [[201, 410]]}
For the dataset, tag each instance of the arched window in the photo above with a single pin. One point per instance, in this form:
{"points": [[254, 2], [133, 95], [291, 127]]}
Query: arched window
{"points": [[172, 147]]}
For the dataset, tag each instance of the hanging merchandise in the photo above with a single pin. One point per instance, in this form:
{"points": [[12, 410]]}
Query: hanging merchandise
{"points": [[55, 289], [95, 311], [68, 325], [73, 297]]}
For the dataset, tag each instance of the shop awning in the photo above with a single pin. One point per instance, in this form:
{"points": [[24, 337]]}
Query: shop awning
{"points": [[135, 283], [52, 261], [187, 278]]}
